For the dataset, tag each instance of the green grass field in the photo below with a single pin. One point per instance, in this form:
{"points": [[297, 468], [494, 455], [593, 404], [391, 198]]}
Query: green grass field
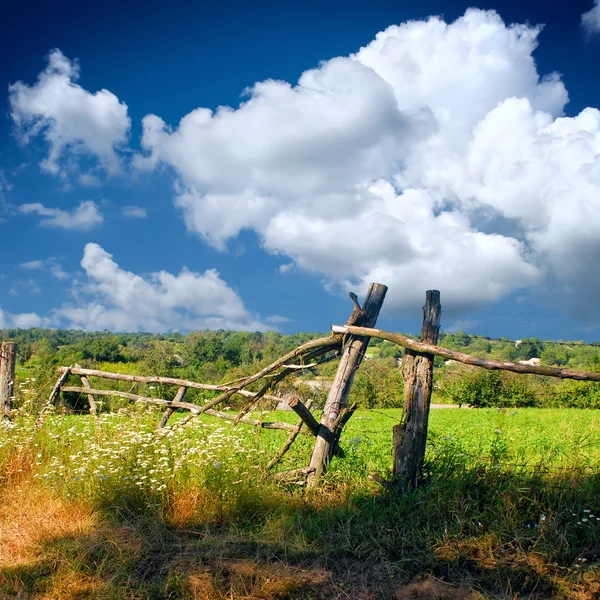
{"points": [[510, 508]]}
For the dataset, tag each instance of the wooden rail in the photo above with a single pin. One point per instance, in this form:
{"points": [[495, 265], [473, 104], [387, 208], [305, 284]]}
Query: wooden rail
{"points": [[154, 379], [467, 359], [178, 404]]}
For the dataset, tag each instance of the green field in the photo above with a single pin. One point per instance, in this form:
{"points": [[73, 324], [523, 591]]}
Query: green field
{"points": [[509, 505]]}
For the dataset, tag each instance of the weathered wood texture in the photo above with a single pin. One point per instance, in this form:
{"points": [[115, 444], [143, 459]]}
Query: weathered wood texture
{"points": [[354, 351], [170, 410], [467, 359], [8, 359], [304, 413], [194, 408], [410, 436], [309, 420], [151, 379]]}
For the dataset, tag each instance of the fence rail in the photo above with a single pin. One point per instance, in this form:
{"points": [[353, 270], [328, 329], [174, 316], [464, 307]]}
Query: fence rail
{"points": [[467, 359]]}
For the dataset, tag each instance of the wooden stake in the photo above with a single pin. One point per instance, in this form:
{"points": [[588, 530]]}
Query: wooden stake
{"points": [[8, 359], [304, 413], [337, 399], [410, 436]]}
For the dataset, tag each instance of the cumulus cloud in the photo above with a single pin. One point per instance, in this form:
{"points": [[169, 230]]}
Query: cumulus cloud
{"points": [[72, 120], [590, 20], [84, 217], [120, 300], [134, 212], [434, 157]]}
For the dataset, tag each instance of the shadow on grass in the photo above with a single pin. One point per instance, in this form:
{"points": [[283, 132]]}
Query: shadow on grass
{"points": [[466, 535]]}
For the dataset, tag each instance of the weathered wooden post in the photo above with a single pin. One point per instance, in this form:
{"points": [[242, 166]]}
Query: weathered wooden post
{"points": [[410, 436], [8, 358], [337, 400]]}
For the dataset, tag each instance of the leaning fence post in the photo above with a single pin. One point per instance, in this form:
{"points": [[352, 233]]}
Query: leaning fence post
{"points": [[410, 436], [8, 358], [337, 400]]}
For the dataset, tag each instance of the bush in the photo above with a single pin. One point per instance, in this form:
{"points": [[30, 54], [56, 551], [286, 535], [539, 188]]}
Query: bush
{"points": [[483, 388], [573, 394]]}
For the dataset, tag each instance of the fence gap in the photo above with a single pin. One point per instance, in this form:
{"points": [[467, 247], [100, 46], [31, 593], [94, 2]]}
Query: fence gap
{"points": [[410, 436]]}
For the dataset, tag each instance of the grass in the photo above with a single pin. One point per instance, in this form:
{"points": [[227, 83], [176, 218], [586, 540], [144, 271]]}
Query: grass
{"points": [[109, 509]]}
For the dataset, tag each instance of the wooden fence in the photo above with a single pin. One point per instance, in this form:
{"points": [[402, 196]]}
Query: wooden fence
{"points": [[349, 342]]}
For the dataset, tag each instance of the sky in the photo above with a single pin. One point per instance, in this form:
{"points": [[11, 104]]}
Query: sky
{"points": [[180, 166]]}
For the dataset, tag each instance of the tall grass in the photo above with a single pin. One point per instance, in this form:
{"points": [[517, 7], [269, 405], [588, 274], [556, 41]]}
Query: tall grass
{"points": [[111, 508]]}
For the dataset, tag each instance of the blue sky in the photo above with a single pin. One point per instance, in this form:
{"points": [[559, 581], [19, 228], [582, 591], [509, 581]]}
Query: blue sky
{"points": [[420, 145]]}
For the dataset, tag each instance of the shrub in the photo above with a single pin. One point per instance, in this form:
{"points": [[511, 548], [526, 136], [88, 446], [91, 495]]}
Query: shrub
{"points": [[483, 388], [574, 394]]}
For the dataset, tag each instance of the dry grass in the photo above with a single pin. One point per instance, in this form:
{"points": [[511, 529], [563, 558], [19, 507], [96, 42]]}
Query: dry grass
{"points": [[61, 550], [30, 516]]}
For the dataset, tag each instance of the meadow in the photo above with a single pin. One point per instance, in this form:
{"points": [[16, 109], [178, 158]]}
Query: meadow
{"points": [[111, 508]]}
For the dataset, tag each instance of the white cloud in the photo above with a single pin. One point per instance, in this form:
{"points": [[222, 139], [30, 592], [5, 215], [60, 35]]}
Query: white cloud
{"points": [[590, 20], [134, 212], [84, 217], [121, 300], [434, 157], [33, 265], [20, 320], [285, 268], [72, 120], [277, 319], [90, 180], [26, 320], [49, 264]]}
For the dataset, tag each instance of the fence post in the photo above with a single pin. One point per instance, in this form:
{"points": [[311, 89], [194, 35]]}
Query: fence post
{"points": [[337, 400], [8, 356], [410, 436]]}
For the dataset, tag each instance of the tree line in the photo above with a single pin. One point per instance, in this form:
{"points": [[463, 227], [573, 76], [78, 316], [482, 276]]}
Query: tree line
{"points": [[219, 356]]}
